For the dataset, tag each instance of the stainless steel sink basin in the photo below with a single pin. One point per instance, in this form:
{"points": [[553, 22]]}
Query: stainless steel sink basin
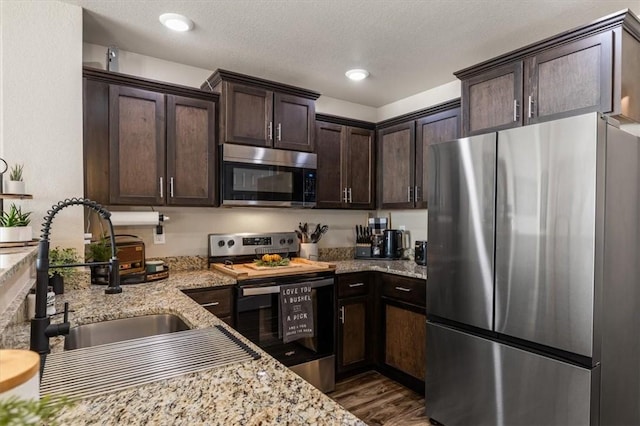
{"points": [[118, 330]]}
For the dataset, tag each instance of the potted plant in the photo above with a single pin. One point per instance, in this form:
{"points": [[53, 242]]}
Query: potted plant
{"points": [[14, 225], [99, 251], [15, 185], [58, 256]]}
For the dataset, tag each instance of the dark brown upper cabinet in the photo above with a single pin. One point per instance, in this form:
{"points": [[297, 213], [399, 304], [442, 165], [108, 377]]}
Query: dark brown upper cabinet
{"points": [[438, 127], [402, 153], [136, 146], [397, 153], [264, 113], [191, 151], [345, 163], [591, 68], [148, 143]]}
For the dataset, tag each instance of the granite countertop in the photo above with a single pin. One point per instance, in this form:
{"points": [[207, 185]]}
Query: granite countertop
{"points": [[406, 268], [261, 391]]}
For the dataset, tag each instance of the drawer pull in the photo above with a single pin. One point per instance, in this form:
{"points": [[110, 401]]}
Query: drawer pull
{"points": [[403, 289], [356, 285], [210, 304]]}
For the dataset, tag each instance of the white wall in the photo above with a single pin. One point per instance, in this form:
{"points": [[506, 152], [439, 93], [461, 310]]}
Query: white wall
{"points": [[422, 100], [158, 69], [41, 108]]}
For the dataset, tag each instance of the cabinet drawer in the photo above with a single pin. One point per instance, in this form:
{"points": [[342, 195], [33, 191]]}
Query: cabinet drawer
{"points": [[410, 290], [350, 285], [217, 301]]}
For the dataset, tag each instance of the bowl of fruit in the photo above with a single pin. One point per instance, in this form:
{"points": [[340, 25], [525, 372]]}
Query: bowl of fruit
{"points": [[272, 260]]}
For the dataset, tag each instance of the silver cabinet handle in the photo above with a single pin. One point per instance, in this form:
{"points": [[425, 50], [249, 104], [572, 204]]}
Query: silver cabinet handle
{"points": [[416, 193], [342, 314], [531, 102], [210, 304], [271, 130], [356, 285], [409, 193], [161, 185], [350, 197], [403, 289], [279, 131], [171, 186], [344, 195], [515, 110]]}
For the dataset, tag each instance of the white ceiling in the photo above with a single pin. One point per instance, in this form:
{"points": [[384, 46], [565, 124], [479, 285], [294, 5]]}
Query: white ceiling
{"points": [[408, 46]]}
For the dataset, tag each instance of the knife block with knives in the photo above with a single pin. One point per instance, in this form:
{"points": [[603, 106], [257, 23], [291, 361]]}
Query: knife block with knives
{"points": [[363, 242]]}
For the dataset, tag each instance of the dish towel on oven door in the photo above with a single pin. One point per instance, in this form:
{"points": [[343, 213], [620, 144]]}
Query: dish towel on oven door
{"points": [[296, 309]]}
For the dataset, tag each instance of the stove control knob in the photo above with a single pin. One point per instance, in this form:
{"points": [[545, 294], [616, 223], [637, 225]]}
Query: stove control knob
{"points": [[231, 243], [220, 243], [290, 241], [282, 241]]}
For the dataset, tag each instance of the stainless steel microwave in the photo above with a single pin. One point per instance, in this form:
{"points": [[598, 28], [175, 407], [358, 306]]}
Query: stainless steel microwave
{"points": [[254, 176]]}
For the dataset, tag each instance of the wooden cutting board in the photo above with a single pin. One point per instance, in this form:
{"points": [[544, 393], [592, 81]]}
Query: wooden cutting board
{"points": [[297, 266]]}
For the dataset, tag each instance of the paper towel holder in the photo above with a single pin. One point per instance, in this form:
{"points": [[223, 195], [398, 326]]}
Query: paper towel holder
{"points": [[127, 218]]}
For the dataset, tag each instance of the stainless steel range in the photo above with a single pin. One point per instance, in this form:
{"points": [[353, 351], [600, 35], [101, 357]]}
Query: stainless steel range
{"points": [[258, 314]]}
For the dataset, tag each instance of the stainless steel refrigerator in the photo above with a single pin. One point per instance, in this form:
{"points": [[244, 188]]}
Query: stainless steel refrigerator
{"points": [[533, 291]]}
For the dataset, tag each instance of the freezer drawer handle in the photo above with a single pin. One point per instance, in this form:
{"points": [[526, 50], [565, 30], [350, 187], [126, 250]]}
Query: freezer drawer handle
{"points": [[403, 289], [356, 285], [205, 305]]}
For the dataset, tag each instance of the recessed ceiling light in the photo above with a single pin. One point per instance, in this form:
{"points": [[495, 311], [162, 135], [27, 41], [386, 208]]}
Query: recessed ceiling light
{"points": [[357, 74], [176, 22]]}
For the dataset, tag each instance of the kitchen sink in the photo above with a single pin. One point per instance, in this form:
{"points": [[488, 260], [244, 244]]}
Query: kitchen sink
{"points": [[99, 333]]}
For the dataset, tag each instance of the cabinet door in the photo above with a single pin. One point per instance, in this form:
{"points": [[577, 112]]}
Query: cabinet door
{"points": [[191, 151], [352, 333], [435, 128], [396, 167], [330, 173], [405, 340], [571, 79], [493, 100], [293, 124], [248, 113], [137, 146], [360, 151]]}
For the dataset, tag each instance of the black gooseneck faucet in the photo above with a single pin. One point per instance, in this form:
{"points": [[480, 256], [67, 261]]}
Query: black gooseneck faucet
{"points": [[41, 327]]}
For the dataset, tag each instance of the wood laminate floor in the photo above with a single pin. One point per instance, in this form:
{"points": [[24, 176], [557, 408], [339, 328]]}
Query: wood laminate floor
{"points": [[378, 400]]}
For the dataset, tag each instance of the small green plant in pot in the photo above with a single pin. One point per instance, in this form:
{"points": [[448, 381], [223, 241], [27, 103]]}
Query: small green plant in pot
{"points": [[14, 225], [59, 256], [99, 251], [15, 184]]}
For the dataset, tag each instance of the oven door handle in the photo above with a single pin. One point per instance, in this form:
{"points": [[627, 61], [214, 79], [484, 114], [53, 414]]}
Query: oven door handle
{"points": [[275, 289]]}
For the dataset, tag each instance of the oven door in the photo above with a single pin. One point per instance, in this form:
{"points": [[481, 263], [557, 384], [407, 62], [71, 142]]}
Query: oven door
{"points": [[258, 319], [245, 184]]}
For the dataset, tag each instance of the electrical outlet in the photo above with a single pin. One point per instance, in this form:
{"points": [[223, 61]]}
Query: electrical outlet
{"points": [[402, 228], [158, 238]]}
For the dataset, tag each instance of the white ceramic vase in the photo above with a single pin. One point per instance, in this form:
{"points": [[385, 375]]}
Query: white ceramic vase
{"points": [[15, 234], [309, 251], [14, 187]]}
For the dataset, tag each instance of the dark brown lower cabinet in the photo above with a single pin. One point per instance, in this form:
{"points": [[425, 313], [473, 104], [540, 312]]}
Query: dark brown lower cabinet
{"points": [[354, 351], [404, 329], [217, 300], [402, 348]]}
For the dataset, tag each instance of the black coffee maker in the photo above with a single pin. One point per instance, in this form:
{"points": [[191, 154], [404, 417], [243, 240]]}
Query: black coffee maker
{"points": [[393, 244]]}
